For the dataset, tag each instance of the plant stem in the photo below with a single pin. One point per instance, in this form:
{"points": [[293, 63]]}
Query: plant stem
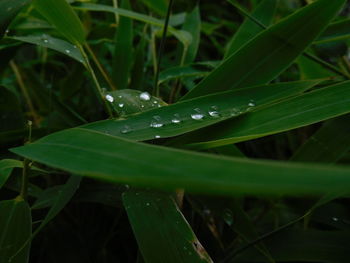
{"points": [[23, 88], [161, 48], [100, 68], [97, 84], [25, 170]]}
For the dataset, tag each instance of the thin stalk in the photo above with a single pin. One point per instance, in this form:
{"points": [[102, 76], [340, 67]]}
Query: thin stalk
{"points": [[23, 88], [177, 86], [97, 84], [305, 53], [25, 170], [161, 48], [115, 5], [100, 67]]}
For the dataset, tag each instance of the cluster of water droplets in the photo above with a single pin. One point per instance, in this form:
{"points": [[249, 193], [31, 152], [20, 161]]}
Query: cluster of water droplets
{"points": [[197, 114]]}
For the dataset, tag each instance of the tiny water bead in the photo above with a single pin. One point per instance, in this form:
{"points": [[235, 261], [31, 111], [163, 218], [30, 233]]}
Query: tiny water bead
{"points": [[213, 112], [145, 96], [251, 103], [121, 105], [198, 115], [109, 98], [176, 118], [126, 129], [67, 51], [235, 112], [157, 136], [156, 122], [335, 219]]}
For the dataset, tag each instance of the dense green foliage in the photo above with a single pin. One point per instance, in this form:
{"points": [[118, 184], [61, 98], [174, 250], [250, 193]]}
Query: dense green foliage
{"points": [[174, 131]]}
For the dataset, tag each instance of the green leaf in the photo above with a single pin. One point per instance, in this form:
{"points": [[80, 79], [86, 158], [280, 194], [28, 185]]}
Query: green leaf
{"points": [[57, 44], [8, 11], [181, 117], [165, 236], [293, 113], [264, 12], [328, 144], [181, 72], [125, 102], [123, 50], [159, 6], [335, 32], [16, 228], [6, 167], [311, 69], [181, 35], [100, 156], [303, 246], [60, 14], [193, 26], [270, 52]]}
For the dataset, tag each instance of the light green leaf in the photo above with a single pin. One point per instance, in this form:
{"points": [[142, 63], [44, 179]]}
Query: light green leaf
{"points": [[270, 52]]}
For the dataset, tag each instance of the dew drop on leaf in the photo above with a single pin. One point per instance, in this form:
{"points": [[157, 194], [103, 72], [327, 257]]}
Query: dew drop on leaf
{"points": [[126, 129], [145, 96], [109, 98], [176, 118], [156, 122], [198, 115]]}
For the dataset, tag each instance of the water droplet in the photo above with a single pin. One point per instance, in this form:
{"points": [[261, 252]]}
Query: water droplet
{"points": [[126, 129], [176, 118], [109, 98], [7, 31], [213, 112], [75, 47], [251, 103], [156, 122], [335, 219], [46, 41], [157, 137], [198, 115], [145, 96], [228, 216], [120, 96], [142, 106], [148, 204], [155, 102], [121, 105], [67, 51], [127, 186], [235, 112]]}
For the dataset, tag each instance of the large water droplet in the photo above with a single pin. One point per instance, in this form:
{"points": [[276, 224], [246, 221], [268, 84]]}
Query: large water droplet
{"points": [[109, 98], [176, 118], [126, 129], [156, 122], [198, 115], [213, 112], [145, 96]]}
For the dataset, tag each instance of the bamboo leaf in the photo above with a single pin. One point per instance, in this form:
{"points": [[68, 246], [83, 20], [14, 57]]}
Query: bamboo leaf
{"points": [[190, 115], [166, 236], [60, 14], [16, 228], [295, 112], [100, 156], [270, 52], [6, 167], [8, 11]]}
